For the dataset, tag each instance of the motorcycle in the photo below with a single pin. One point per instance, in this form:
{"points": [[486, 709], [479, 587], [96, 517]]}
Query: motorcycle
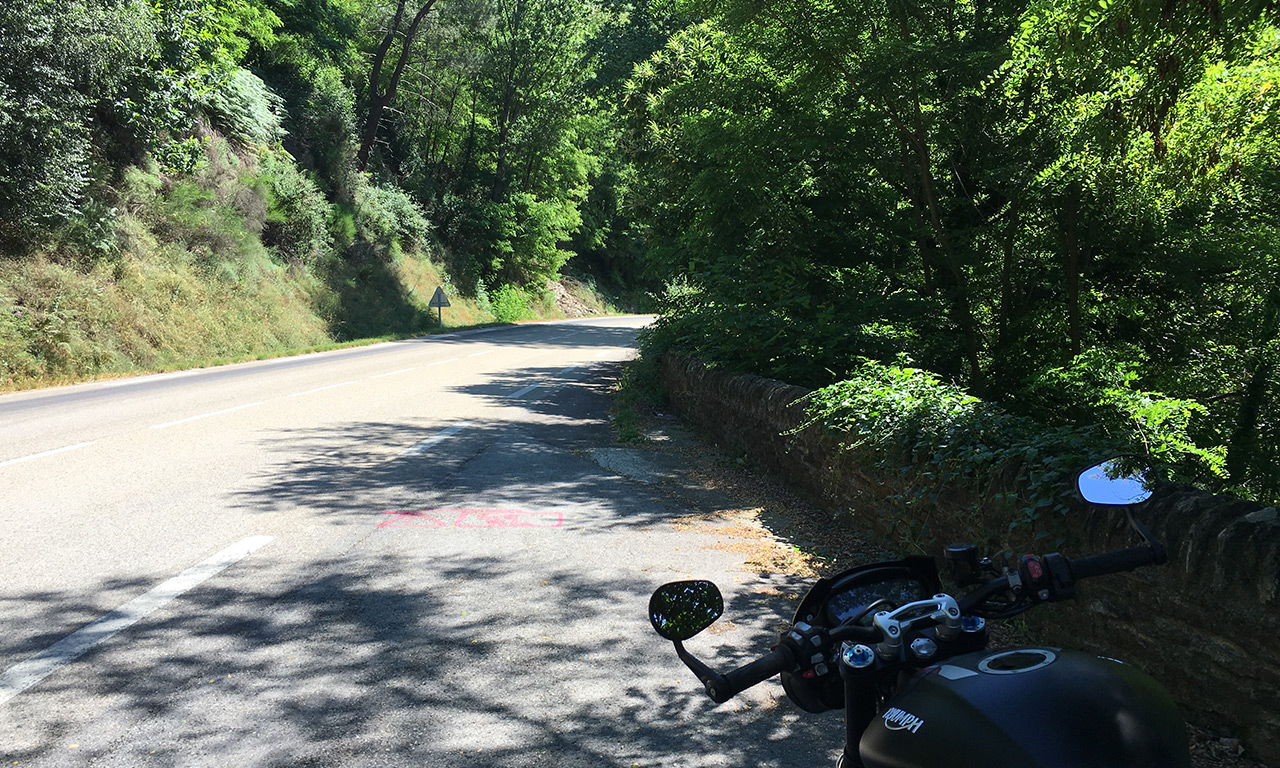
{"points": [[910, 666]]}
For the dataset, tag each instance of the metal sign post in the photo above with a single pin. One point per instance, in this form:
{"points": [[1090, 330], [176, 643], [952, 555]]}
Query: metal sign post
{"points": [[439, 301]]}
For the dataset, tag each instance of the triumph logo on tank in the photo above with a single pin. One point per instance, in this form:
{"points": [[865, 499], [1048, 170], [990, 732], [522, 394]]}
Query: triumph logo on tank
{"points": [[897, 720]]}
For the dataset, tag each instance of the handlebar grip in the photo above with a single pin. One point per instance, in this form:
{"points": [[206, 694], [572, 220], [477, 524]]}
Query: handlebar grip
{"points": [[1112, 562], [742, 678], [857, 633]]}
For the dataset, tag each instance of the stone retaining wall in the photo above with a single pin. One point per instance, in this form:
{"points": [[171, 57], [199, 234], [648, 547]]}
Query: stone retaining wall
{"points": [[1207, 624]]}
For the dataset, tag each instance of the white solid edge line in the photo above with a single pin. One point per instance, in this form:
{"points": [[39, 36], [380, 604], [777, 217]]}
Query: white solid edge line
{"points": [[205, 415], [321, 389], [392, 373], [148, 377], [443, 434], [282, 360], [525, 391], [23, 675], [43, 454], [442, 362]]}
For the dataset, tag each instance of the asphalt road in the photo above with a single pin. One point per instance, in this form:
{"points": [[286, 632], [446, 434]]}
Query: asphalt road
{"points": [[397, 555]]}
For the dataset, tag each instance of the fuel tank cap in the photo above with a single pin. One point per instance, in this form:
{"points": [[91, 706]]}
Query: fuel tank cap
{"points": [[1017, 661]]}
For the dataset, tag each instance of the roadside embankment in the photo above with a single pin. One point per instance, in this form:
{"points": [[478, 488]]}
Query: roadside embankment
{"points": [[1207, 624], [63, 321], [242, 258]]}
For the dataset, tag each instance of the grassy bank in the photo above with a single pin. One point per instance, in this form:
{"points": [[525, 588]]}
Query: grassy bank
{"points": [[61, 324], [243, 259]]}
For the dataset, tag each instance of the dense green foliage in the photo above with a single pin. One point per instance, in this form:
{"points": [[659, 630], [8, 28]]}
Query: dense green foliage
{"points": [[920, 437], [497, 116], [1062, 208], [1065, 208], [325, 141]]}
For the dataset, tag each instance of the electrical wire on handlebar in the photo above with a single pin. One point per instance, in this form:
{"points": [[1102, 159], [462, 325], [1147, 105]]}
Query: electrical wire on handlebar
{"points": [[997, 601]]}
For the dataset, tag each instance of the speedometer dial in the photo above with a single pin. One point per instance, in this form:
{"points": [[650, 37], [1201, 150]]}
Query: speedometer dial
{"points": [[856, 601]]}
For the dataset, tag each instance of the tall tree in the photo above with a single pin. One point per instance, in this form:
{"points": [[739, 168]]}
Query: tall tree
{"points": [[382, 86]]}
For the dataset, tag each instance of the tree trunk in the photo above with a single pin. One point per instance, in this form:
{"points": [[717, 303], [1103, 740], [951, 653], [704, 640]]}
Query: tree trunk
{"points": [[379, 99], [914, 133], [428, 104], [471, 131], [1244, 438], [958, 293], [1070, 223], [446, 144], [528, 170], [1006, 284], [506, 112]]}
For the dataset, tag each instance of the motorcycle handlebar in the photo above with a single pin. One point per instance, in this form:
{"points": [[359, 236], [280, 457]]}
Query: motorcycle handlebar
{"points": [[855, 632], [732, 683], [721, 688], [1112, 562], [1080, 567], [982, 594]]}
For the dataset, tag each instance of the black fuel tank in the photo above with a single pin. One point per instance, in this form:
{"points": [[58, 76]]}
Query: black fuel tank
{"points": [[1028, 708]]}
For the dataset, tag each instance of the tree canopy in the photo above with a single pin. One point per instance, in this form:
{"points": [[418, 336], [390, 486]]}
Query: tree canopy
{"points": [[1065, 207]]}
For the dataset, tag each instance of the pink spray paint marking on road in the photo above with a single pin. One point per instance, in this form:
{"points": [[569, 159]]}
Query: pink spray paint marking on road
{"points": [[411, 520], [472, 518]]}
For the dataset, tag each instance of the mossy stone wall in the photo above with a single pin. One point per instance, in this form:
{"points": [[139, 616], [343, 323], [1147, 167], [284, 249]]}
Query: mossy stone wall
{"points": [[1207, 624]]}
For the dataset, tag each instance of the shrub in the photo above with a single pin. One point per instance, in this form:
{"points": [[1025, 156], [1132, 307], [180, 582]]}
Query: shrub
{"points": [[244, 108], [920, 433], [1100, 386], [17, 333], [387, 218], [298, 214], [60, 59], [93, 230], [324, 132], [510, 304]]}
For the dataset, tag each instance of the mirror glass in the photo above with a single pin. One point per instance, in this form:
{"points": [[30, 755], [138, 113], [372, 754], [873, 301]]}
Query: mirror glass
{"points": [[1115, 482], [682, 609]]}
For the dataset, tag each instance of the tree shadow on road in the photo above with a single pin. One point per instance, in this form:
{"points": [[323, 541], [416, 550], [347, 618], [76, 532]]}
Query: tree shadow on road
{"points": [[412, 645], [402, 661]]}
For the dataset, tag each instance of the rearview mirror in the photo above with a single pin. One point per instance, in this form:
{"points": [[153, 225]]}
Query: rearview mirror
{"points": [[682, 609], [1115, 482]]}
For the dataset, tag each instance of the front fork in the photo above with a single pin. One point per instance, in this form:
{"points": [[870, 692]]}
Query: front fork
{"points": [[858, 663], [859, 702]]}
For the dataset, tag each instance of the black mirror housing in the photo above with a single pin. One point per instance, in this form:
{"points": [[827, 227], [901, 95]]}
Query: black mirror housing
{"points": [[681, 609]]}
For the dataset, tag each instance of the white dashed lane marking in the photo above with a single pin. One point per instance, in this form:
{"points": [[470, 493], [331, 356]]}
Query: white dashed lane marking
{"points": [[43, 454], [444, 434], [205, 416], [22, 676], [392, 373], [322, 389]]}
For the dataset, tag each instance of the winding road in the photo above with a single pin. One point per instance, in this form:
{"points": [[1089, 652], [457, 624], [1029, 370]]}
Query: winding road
{"points": [[396, 555]]}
